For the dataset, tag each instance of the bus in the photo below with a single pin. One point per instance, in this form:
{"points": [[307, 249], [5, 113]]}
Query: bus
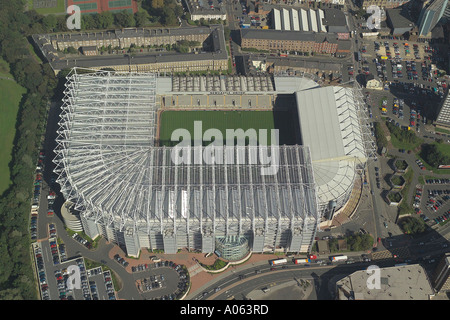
{"points": [[301, 260], [339, 258], [277, 262]]}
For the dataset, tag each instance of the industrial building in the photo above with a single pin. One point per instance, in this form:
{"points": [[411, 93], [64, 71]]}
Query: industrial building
{"points": [[298, 20], [129, 190]]}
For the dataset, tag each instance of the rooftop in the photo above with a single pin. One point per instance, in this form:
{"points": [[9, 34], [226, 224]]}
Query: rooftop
{"points": [[44, 42], [399, 18], [406, 282]]}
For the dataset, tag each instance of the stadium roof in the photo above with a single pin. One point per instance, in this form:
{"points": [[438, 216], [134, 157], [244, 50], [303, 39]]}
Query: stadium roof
{"points": [[332, 126], [110, 166], [327, 123]]}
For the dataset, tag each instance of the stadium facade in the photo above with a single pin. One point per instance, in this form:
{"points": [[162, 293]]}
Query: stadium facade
{"points": [[129, 190]]}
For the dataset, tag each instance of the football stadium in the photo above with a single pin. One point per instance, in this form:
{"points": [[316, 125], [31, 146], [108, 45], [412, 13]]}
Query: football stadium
{"points": [[265, 159]]}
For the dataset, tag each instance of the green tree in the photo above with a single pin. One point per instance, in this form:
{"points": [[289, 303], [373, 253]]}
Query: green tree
{"points": [[88, 22], [412, 225], [124, 19], [168, 17], [49, 22], [141, 18], [157, 4], [104, 20]]}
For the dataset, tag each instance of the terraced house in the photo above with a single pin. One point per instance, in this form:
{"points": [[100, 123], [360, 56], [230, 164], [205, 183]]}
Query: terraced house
{"points": [[212, 55]]}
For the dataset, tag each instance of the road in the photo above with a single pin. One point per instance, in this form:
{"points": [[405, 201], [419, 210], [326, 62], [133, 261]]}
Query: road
{"points": [[234, 286]]}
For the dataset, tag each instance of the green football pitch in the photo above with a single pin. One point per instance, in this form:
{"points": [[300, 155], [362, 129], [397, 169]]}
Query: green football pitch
{"points": [[284, 121]]}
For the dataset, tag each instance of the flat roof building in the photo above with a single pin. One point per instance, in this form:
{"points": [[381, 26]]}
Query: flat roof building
{"points": [[405, 282], [208, 10], [399, 22]]}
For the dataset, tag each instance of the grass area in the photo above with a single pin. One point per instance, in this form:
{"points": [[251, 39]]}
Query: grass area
{"points": [[442, 130], [10, 96], [403, 139], [395, 196], [421, 180], [405, 207], [94, 242], [445, 149], [403, 144], [59, 9], [397, 180], [401, 164], [218, 264], [223, 120]]}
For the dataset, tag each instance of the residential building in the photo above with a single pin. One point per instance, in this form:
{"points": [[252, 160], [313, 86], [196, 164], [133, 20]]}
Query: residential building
{"points": [[212, 57], [208, 10], [383, 4]]}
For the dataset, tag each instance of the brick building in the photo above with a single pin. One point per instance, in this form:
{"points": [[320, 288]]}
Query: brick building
{"points": [[285, 41]]}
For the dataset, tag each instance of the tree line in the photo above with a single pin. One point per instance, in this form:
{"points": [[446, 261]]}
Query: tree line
{"points": [[152, 13], [16, 274]]}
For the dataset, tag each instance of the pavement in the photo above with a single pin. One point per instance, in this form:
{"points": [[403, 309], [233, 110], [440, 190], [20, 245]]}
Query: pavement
{"points": [[198, 277]]}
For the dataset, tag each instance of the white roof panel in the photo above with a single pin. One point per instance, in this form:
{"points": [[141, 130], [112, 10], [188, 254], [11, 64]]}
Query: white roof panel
{"points": [[295, 21], [320, 17], [312, 17], [286, 20], [277, 19], [304, 20]]}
